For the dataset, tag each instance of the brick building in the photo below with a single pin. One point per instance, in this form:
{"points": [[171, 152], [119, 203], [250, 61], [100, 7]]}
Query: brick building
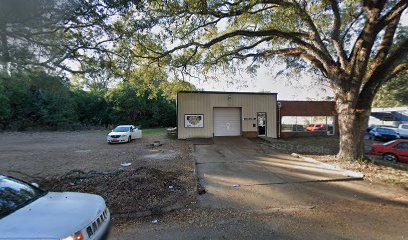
{"points": [[297, 118]]}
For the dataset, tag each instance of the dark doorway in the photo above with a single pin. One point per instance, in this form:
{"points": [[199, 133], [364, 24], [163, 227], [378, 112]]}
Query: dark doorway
{"points": [[261, 120]]}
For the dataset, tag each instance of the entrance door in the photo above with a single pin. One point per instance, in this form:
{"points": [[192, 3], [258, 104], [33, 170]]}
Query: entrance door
{"points": [[261, 123], [227, 121]]}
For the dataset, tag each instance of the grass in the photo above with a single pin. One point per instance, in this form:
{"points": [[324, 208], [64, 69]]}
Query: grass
{"points": [[325, 141], [154, 131], [319, 145]]}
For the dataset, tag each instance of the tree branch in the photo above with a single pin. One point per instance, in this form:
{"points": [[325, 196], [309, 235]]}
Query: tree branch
{"points": [[294, 37], [315, 32], [338, 45], [384, 47], [393, 65], [365, 41], [393, 14]]}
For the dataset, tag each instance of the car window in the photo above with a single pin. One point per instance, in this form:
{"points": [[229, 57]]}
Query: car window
{"points": [[404, 126], [385, 131], [15, 194], [121, 129], [402, 146]]}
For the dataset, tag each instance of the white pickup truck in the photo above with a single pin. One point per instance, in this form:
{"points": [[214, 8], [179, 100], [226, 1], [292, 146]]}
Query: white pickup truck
{"points": [[27, 212], [403, 130]]}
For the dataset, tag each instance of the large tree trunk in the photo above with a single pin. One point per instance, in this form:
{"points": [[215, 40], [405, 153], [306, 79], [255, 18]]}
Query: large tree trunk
{"points": [[352, 128]]}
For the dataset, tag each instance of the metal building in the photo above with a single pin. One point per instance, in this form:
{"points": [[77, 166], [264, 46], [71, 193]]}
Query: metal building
{"points": [[204, 114]]}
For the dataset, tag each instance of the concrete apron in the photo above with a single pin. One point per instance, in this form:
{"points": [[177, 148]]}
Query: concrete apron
{"points": [[237, 174]]}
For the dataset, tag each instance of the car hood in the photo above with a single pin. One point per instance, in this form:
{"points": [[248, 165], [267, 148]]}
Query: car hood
{"points": [[118, 133], [53, 216]]}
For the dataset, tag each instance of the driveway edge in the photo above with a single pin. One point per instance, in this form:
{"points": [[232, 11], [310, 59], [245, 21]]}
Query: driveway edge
{"points": [[342, 171]]}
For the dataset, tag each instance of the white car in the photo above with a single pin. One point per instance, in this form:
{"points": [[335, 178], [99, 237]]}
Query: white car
{"points": [[123, 133], [403, 130], [27, 212]]}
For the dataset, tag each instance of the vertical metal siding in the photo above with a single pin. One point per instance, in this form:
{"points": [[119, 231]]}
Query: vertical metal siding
{"points": [[203, 103]]}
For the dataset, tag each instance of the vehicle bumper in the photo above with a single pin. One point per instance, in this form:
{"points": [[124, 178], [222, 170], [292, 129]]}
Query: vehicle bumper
{"points": [[106, 232], [117, 140]]}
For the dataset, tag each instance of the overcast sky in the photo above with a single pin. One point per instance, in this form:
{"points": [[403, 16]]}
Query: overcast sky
{"points": [[305, 88]]}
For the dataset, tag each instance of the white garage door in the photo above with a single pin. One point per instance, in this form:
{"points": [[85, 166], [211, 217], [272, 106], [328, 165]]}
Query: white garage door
{"points": [[227, 121]]}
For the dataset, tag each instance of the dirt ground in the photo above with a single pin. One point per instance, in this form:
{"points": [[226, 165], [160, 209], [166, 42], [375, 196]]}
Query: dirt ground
{"points": [[257, 192], [159, 178], [164, 178]]}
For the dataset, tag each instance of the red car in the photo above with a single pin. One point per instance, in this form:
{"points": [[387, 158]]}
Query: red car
{"points": [[394, 151], [316, 127]]}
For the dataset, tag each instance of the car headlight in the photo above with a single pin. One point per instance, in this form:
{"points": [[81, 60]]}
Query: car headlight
{"points": [[75, 236]]}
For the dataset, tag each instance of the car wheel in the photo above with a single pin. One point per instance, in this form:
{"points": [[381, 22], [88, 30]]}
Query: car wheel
{"points": [[390, 157], [129, 139]]}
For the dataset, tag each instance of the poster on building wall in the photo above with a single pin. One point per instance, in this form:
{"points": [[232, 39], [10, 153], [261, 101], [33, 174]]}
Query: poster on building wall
{"points": [[194, 120]]}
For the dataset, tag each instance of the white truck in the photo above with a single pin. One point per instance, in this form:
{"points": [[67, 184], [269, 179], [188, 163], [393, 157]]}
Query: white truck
{"points": [[27, 212], [403, 130]]}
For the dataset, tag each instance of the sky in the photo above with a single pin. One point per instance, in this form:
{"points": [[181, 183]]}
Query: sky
{"points": [[266, 80]]}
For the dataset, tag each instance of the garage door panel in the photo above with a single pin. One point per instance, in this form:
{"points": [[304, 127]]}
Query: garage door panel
{"points": [[227, 121]]}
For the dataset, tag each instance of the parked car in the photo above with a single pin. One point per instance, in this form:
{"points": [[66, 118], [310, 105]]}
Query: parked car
{"points": [[382, 126], [403, 130], [396, 150], [316, 127], [123, 133], [383, 134], [370, 127], [27, 212]]}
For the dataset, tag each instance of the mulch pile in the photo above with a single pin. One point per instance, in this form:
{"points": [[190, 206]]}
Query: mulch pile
{"points": [[125, 191]]}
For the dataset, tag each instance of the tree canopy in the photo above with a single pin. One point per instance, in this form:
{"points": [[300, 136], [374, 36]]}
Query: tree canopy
{"points": [[394, 93]]}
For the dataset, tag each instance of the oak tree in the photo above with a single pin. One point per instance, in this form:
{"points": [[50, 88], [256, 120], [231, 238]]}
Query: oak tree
{"points": [[354, 46]]}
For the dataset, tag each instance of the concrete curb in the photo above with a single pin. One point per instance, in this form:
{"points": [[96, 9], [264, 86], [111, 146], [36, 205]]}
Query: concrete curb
{"points": [[341, 171]]}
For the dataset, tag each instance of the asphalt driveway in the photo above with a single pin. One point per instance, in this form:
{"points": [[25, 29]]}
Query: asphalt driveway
{"points": [[258, 193]]}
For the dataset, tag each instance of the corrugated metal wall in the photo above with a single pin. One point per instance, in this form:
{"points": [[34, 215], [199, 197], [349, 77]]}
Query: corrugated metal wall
{"points": [[203, 103]]}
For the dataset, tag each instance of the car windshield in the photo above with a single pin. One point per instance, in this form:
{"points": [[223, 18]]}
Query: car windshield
{"points": [[15, 194], [389, 143], [404, 126], [121, 129], [385, 130]]}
